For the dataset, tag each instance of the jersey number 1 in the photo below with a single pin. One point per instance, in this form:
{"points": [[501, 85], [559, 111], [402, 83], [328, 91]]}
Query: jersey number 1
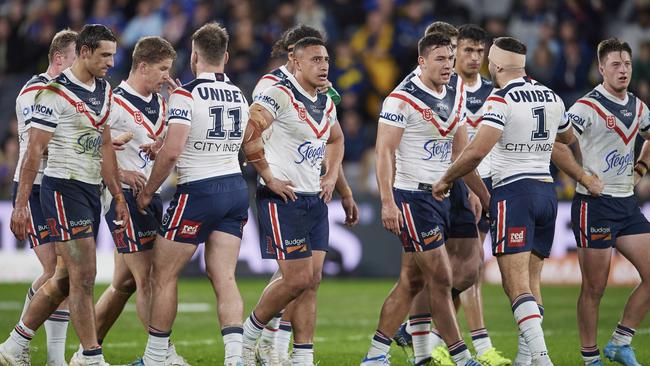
{"points": [[540, 133], [217, 132]]}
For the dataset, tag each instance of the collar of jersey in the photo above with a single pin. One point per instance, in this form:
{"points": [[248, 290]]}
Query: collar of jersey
{"points": [[515, 80], [284, 70], [601, 89], [70, 75], [476, 86], [417, 81], [212, 76], [300, 89], [124, 85], [45, 75]]}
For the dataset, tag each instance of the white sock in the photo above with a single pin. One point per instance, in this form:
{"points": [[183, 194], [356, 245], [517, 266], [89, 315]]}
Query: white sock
{"points": [[523, 352], [56, 328], [21, 336], [232, 342], [379, 346], [156, 351], [271, 330], [252, 331], [459, 353], [481, 341], [436, 339], [622, 335], [419, 326], [283, 339], [28, 299], [529, 320], [303, 354], [590, 354]]}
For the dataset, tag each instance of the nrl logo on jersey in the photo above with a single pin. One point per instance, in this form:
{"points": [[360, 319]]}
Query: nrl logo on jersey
{"points": [[81, 107], [302, 114], [137, 115], [610, 122]]}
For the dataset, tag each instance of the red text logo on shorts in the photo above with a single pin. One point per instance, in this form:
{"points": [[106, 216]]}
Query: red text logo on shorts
{"points": [[516, 237], [189, 229], [611, 122]]}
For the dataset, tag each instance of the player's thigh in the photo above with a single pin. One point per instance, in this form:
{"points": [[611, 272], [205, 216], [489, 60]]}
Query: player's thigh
{"points": [[46, 255], [636, 248], [297, 272], [410, 274], [426, 220], [169, 258], [123, 278], [138, 264], [79, 257], [435, 266], [514, 273], [221, 253], [594, 267]]}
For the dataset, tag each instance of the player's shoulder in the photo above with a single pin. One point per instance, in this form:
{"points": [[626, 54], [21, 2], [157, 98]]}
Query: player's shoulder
{"points": [[191, 86], [36, 80]]}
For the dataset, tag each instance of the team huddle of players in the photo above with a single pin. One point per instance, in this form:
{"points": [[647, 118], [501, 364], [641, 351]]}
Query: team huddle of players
{"points": [[451, 145]]}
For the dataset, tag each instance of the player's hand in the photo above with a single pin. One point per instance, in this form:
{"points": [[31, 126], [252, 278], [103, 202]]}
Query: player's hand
{"points": [[637, 178], [19, 219], [593, 184], [283, 188], [121, 215], [475, 204], [327, 184], [151, 149], [133, 179], [440, 190], [351, 211], [118, 145], [391, 217], [172, 84], [143, 200]]}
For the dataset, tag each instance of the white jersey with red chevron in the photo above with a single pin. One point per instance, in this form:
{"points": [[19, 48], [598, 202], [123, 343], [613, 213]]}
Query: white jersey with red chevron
{"points": [[24, 106], [530, 115], [476, 96], [301, 127], [142, 115], [430, 121], [76, 114], [268, 80], [217, 112], [606, 127]]}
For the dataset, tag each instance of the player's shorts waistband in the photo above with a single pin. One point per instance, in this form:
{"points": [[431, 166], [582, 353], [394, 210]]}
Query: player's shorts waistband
{"points": [[266, 191], [222, 183], [415, 188], [80, 183]]}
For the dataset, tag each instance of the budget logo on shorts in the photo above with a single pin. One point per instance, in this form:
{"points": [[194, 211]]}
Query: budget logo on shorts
{"points": [[189, 229], [611, 122], [138, 117], [81, 107], [295, 245], [516, 237], [600, 233], [432, 235]]}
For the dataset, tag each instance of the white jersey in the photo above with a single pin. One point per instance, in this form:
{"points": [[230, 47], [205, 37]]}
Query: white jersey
{"points": [[530, 116], [217, 112], [301, 127], [606, 128], [270, 79], [144, 117], [476, 96], [24, 106], [76, 114], [430, 121]]}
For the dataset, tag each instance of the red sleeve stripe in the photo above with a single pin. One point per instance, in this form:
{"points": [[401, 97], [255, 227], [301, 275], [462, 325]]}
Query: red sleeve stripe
{"points": [[32, 88], [183, 92], [271, 77], [496, 99]]}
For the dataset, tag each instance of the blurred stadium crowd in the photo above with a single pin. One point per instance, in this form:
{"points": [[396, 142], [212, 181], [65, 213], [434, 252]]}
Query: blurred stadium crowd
{"points": [[373, 44]]}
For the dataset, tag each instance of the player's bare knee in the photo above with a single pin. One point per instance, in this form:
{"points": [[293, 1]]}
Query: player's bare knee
{"points": [[414, 285], [593, 290], [298, 283], [126, 286], [315, 280]]}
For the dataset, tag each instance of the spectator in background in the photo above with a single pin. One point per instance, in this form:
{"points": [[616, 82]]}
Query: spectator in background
{"points": [[372, 43], [104, 14], [283, 19], [147, 22], [5, 32], [247, 55], [542, 66], [72, 16], [527, 21], [175, 23], [412, 21], [571, 79], [313, 14], [358, 143], [8, 159], [347, 73]]}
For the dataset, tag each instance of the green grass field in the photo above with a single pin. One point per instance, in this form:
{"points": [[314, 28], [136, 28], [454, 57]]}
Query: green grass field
{"points": [[347, 317]]}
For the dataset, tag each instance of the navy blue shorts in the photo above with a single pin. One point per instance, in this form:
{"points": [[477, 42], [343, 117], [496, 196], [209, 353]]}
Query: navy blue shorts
{"points": [[598, 221], [294, 229], [522, 217], [72, 209], [203, 206], [141, 230], [37, 232], [462, 219], [484, 222], [426, 220]]}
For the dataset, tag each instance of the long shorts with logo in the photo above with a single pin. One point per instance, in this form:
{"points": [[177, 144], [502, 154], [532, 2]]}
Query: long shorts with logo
{"points": [[463, 221], [598, 221], [204, 206], [37, 232], [72, 209], [141, 230], [426, 220], [522, 217], [484, 223], [294, 229]]}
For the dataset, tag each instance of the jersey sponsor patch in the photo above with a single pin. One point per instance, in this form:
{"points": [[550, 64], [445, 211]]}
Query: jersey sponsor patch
{"points": [[189, 229], [517, 237]]}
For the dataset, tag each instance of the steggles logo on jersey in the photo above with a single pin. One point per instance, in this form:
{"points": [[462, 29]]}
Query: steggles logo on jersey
{"points": [[619, 162], [88, 143], [311, 154], [611, 122], [145, 159], [437, 149]]}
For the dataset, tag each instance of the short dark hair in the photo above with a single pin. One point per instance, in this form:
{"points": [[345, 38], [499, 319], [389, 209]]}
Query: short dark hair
{"points": [[511, 44], [212, 40], [612, 45], [152, 50], [291, 36], [432, 41], [61, 41], [307, 42], [91, 35], [442, 27], [472, 32]]}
